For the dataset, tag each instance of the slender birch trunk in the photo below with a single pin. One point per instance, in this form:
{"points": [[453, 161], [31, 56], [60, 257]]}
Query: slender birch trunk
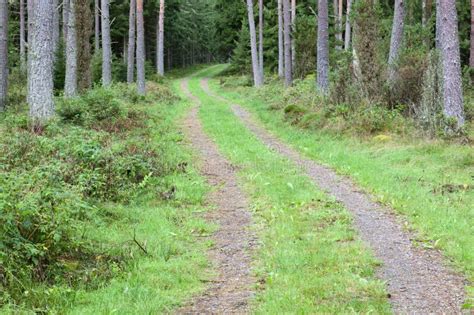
{"points": [[253, 46], [106, 45], [3, 53], [287, 42], [293, 31], [40, 76], [281, 61], [323, 47], [260, 38], [131, 42], [161, 37], [396, 39], [347, 39], [70, 82], [140, 49], [96, 26], [451, 61], [22, 37]]}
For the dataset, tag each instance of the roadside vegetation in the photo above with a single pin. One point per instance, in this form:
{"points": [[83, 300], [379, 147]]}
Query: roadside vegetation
{"points": [[97, 208]]}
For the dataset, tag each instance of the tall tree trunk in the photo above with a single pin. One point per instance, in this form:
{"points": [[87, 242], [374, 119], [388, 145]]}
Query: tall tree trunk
{"points": [[3, 53], [131, 41], [425, 17], [84, 31], [96, 26], [106, 44], [22, 37], [438, 25], [70, 82], [253, 46], [338, 34], [56, 27], [451, 60], [396, 40], [260, 37], [287, 42], [293, 31], [471, 56], [29, 10], [140, 49], [161, 37], [281, 60], [40, 76], [339, 22], [347, 39], [65, 18], [323, 47]]}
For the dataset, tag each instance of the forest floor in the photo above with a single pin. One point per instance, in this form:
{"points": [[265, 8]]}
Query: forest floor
{"points": [[325, 243]]}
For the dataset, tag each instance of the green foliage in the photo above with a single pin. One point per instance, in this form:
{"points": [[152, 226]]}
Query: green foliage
{"points": [[52, 184]]}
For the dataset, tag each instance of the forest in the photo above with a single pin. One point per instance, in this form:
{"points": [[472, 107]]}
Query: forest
{"points": [[236, 156]]}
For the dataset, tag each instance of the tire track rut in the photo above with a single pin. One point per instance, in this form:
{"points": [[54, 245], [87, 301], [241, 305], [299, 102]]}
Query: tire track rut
{"points": [[231, 290]]}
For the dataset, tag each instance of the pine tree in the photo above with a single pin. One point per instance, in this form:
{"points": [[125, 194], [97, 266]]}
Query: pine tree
{"points": [[3, 53], [396, 39], [140, 49], [106, 44], [258, 80], [70, 83], [323, 47], [287, 42], [160, 39], [281, 60]]}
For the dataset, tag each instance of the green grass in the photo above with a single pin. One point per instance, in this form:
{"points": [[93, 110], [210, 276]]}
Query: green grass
{"points": [[429, 182], [176, 262], [310, 259]]}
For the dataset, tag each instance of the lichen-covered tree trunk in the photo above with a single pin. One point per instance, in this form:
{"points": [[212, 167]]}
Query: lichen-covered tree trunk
{"points": [[451, 61], [281, 61], [323, 47], [161, 39], [22, 37], [253, 45], [96, 26], [106, 44], [260, 37], [56, 26], [471, 56], [131, 42], [287, 42], [140, 49], [70, 82], [347, 35], [293, 31], [3, 53], [65, 18], [84, 21], [40, 75], [396, 40]]}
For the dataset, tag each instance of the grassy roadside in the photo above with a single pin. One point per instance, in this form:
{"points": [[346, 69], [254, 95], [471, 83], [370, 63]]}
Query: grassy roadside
{"points": [[161, 217], [309, 259], [429, 182]]}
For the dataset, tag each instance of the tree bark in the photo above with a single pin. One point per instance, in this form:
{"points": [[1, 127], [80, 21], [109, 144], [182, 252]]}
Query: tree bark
{"points": [[451, 61], [131, 42], [3, 53], [260, 39], [70, 82], [438, 25], [22, 37], [347, 39], [65, 18], [253, 46], [96, 26], [160, 42], [287, 42], [396, 40], [140, 49], [40, 76], [106, 45], [293, 31], [84, 30], [56, 27], [471, 56], [338, 34], [281, 61], [323, 47]]}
